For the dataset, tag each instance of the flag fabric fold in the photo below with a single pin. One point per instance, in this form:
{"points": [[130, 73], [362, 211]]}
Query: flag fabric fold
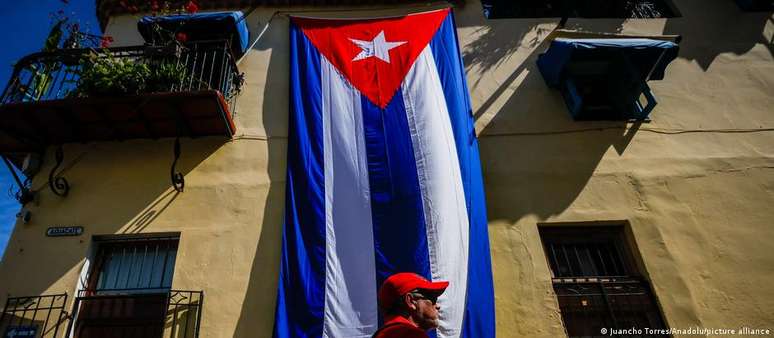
{"points": [[383, 177]]}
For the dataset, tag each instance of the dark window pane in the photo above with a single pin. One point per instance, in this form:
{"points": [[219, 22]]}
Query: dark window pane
{"points": [[585, 260]]}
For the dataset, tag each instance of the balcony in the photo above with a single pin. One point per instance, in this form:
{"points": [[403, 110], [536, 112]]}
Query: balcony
{"points": [[105, 314], [34, 316], [174, 91], [145, 313]]}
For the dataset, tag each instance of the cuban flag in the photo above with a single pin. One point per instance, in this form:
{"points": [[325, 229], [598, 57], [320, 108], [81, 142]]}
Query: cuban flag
{"points": [[383, 177]]}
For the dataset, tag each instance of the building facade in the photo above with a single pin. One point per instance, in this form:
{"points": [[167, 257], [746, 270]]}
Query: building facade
{"points": [[664, 221]]}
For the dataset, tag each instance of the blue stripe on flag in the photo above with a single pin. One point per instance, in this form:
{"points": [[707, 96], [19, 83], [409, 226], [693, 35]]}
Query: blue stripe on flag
{"points": [[400, 238], [301, 292], [479, 309]]}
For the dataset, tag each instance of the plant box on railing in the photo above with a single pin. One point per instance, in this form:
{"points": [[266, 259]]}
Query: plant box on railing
{"points": [[84, 95], [103, 74]]}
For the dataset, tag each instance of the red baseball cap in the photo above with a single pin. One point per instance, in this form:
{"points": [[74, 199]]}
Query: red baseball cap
{"points": [[402, 283]]}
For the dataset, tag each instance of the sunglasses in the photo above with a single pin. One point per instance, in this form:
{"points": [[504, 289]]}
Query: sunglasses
{"points": [[432, 298]]}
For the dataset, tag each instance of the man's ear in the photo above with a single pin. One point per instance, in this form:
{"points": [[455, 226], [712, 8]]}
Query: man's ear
{"points": [[409, 302]]}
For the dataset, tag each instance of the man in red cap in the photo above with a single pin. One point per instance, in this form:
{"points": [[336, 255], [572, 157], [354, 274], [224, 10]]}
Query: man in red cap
{"points": [[408, 302]]}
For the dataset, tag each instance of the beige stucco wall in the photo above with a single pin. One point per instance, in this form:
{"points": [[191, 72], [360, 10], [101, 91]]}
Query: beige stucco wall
{"points": [[697, 197]]}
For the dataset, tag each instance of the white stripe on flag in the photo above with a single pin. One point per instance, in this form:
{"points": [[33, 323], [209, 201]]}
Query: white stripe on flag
{"points": [[443, 197], [350, 274]]}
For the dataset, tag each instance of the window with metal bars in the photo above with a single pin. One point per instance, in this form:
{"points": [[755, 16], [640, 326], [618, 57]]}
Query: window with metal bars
{"points": [[133, 265], [586, 252], [596, 281], [644, 9], [128, 289]]}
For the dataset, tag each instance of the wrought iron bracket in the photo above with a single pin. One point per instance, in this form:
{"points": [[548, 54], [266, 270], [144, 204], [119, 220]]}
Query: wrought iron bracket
{"points": [[178, 181], [24, 195], [57, 183]]}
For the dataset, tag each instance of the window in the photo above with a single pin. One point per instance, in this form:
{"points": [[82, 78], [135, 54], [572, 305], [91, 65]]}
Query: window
{"points": [[606, 79], [600, 89], [127, 291], [500, 9], [596, 281], [133, 265]]}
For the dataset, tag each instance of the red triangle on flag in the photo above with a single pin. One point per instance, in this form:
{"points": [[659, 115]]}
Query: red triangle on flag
{"points": [[374, 54]]}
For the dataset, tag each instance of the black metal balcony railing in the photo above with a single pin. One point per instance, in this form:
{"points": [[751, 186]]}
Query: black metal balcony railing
{"points": [[34, 316], [205, 65], [155, 313]]}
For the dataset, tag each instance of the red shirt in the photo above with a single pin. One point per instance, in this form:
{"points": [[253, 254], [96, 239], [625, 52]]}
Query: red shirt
{"points": [[399, 327]]}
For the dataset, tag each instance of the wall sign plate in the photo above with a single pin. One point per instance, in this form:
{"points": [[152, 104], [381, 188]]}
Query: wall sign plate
{"points": [[64, 231]]}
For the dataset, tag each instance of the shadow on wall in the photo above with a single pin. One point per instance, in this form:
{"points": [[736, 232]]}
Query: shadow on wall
{"points": [[116, 187], [711, 28], [708, 27], [256, 318], [535, 158], [498, 40]]}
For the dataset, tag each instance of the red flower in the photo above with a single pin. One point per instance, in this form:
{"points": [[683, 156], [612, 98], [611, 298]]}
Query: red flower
{"points": [[182, 37], [191, 7], [105, 41]]}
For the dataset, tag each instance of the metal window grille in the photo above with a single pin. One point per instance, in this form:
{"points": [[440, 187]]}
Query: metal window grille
{"points": [[585, 259], [133, 265], [589, 306], [35, 316], [596, 283]]}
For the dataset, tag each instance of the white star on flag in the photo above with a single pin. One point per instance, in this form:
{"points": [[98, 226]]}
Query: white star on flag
{"points": [[378, 47]]}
